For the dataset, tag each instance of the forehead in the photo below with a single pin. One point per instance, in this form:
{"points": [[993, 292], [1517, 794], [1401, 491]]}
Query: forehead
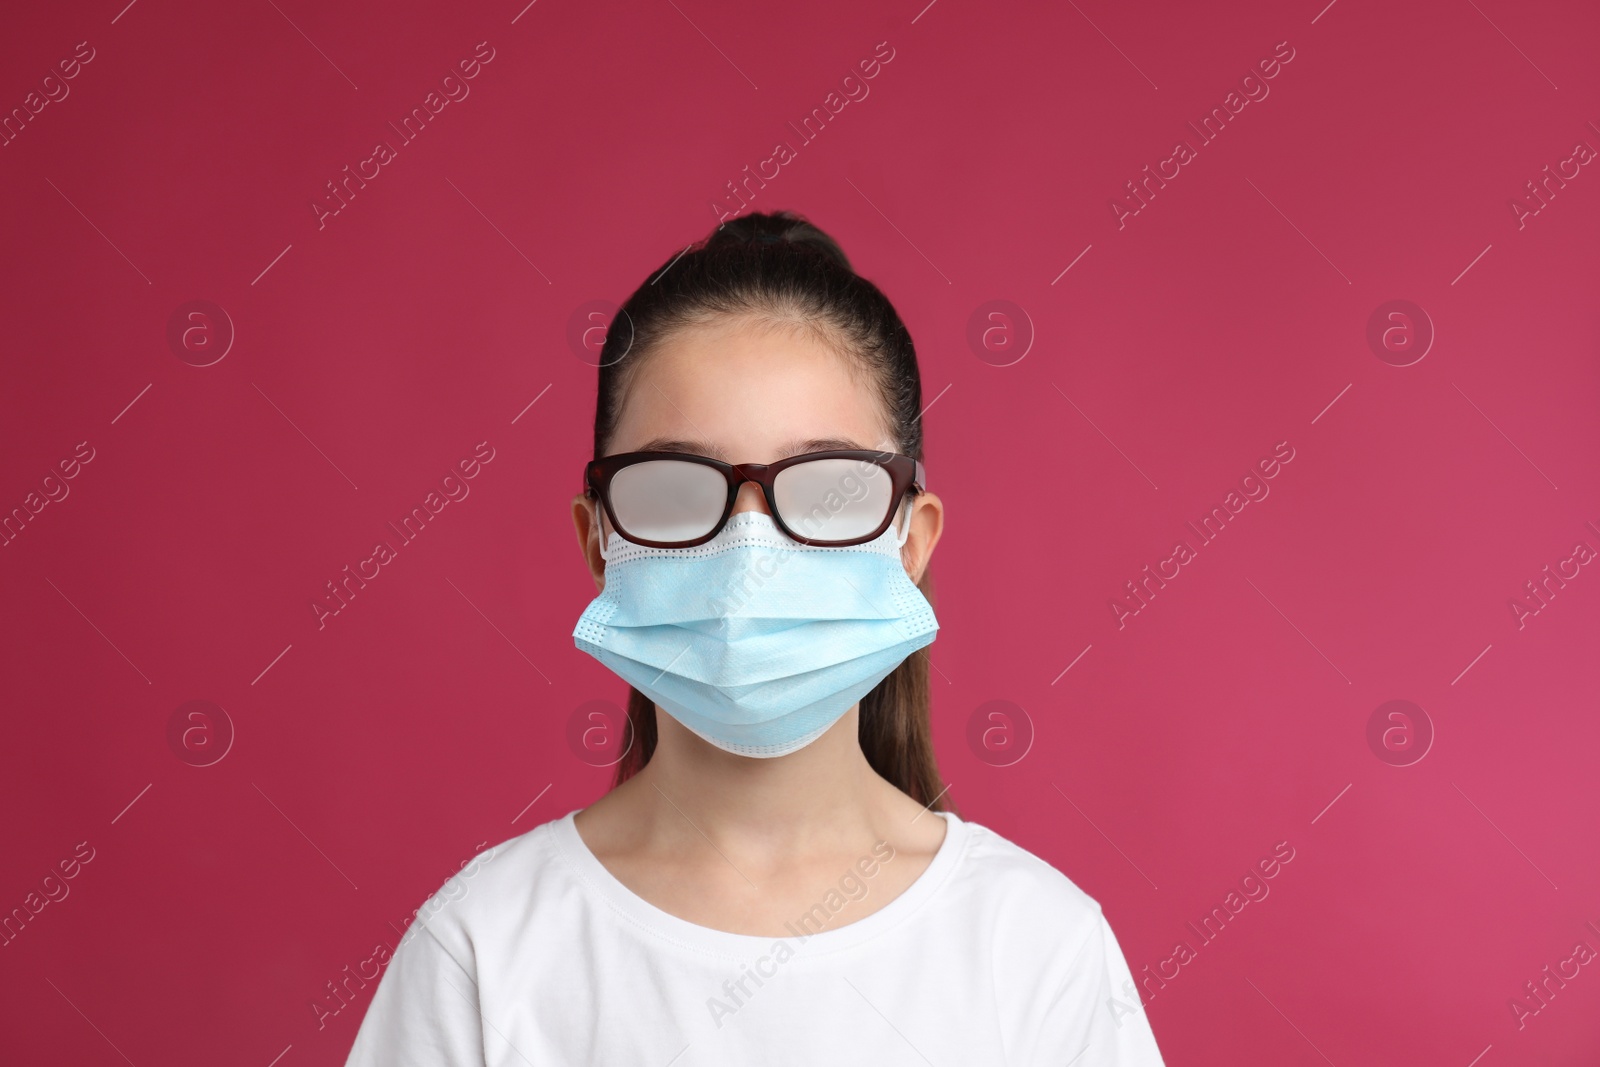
{"points": [[743, 391]]}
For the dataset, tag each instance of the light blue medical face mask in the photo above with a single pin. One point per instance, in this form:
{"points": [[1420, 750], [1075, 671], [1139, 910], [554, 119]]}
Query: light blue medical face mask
{"points": [[754, 641]]}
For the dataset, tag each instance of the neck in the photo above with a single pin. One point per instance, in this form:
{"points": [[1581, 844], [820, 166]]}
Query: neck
{"points": [[795, 802]]}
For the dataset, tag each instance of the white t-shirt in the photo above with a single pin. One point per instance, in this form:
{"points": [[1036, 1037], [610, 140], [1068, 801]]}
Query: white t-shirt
{"points": [[536, 955]]}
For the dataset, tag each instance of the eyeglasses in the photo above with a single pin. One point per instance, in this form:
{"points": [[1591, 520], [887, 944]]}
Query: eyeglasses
{"points": [[678, 499]]}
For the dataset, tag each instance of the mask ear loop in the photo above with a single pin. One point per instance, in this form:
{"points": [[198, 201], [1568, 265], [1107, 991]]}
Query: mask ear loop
{"points": [[901, 535], [600, 526]]}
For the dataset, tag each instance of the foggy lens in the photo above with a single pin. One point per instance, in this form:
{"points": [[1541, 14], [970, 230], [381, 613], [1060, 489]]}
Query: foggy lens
{"points": [[833, 499], [668, 499]]}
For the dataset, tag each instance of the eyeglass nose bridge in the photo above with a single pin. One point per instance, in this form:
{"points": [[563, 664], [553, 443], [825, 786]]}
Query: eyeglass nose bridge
{"points": [[753, 472], [758, 474]]}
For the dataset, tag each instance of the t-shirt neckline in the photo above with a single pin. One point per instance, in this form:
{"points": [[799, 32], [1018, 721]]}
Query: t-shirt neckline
{"points": [[572, 848]]}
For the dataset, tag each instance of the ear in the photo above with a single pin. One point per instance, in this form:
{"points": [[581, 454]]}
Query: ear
{"points": [[590, 526], [927, 523]]}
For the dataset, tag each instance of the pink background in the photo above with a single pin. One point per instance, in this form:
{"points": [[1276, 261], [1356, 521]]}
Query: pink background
{"points": [[373, 756]]}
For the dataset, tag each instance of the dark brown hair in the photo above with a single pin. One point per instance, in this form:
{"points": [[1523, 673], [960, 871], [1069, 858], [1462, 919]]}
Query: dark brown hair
{"points": [[780, 270]]}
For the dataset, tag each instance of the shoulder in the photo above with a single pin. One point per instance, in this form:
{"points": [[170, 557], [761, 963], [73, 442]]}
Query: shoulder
{"points": [[500, 889], [444, 973], [1059, 976], [1021, 897]]}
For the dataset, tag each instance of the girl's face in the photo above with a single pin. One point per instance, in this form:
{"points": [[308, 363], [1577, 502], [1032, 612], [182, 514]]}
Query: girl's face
{"points": [[743, 393]]}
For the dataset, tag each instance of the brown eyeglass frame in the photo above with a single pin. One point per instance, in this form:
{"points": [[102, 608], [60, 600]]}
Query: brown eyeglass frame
{"points": [[905, 473]]}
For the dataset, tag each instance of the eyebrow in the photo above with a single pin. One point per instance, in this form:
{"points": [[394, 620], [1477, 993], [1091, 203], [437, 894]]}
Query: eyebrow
{"points": [[706, 448]]}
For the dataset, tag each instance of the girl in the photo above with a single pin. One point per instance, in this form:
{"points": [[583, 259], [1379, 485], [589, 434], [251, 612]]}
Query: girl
{"points": [[776, 877]]}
